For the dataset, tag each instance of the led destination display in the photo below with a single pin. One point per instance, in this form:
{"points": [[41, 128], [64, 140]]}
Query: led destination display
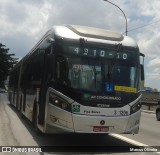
{"points": [[98, 52]]}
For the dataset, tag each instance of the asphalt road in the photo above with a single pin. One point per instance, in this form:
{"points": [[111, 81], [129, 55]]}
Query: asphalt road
{"points": [[15, 131], [149, 132]]}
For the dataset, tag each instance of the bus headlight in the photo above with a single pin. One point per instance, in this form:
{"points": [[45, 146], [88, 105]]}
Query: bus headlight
{"points": [[59, 102], [135, 107]]}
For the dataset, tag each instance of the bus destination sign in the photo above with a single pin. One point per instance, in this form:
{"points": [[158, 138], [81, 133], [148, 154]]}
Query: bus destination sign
{"points": [[97, 52]]}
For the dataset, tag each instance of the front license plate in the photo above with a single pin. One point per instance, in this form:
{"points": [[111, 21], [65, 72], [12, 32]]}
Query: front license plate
{"points": [[101, 128]]}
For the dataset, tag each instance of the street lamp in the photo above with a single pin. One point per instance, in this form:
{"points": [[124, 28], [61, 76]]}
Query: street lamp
{"points": [[121, 11]]}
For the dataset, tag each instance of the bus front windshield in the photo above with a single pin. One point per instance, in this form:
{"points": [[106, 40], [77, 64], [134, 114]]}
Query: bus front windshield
{"points": [[92, 73], [80, 73]]}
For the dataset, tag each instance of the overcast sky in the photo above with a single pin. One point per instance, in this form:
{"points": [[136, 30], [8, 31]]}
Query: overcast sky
{"points": [[24, 22]]}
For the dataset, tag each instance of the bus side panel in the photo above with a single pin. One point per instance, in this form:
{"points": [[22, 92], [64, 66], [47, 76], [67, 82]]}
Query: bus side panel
{"points": [[30, 98], [58, 120], [133, 123]]}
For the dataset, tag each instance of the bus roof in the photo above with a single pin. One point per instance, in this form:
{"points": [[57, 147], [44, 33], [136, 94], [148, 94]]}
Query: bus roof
{"points": [[76, 32], [92, 34], [95, 33]]}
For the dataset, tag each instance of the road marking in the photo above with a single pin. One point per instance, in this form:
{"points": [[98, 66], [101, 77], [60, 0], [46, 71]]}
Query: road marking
{"points": [[131, 141]]}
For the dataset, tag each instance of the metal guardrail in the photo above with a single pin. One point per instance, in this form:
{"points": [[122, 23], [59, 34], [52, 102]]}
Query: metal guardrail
{"points": [[150, 99], [149, 105], [150, 102]]}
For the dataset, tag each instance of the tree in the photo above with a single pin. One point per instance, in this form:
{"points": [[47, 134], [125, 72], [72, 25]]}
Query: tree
{"points": [[155, 90], [6, 63]]}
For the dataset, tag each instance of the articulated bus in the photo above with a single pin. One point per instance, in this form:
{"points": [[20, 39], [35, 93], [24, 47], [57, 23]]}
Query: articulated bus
{"points": [[80, 79]]}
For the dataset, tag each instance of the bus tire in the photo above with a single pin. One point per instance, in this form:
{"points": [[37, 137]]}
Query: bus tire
{"points": [[9, 97], [35, 121]]}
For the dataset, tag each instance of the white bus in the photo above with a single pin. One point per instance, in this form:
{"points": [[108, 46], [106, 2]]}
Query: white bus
{"points": [[80, 79]]}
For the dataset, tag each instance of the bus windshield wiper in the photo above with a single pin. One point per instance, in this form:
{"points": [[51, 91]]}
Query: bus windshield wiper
{"points": [[109, 72], [82, 43]]}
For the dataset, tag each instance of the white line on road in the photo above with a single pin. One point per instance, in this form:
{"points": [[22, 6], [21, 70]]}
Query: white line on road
{"points": [[131, 141]]}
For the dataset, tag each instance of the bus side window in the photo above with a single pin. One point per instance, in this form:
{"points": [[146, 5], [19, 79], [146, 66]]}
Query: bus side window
{"points": [[24, 77], [49, 64], [37, 70], [32, 72]]}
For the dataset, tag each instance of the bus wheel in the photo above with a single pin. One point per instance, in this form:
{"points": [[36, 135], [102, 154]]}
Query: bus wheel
{"points": [[38, 132], [9, 97]]}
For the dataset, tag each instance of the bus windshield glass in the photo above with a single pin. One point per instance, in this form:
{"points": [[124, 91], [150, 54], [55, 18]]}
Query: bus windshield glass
{"points": [[94, 68]]}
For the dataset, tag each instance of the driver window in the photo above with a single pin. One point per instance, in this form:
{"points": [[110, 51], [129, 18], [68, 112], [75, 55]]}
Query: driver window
{"points": [[62, 71]]}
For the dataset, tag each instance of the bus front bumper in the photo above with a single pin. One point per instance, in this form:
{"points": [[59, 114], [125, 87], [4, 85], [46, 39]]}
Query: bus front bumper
{"points": [[76, 123], [102, 124]]}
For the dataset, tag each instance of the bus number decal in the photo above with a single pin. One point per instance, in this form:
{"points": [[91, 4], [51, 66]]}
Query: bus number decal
{"points": [[118, 56], [123, 112], [76, 50], [85, 51], [95, 52], [102, 53], [125, 56]]}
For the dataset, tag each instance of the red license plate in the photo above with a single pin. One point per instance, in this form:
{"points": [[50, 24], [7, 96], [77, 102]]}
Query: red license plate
{"points": [[101, 128]]}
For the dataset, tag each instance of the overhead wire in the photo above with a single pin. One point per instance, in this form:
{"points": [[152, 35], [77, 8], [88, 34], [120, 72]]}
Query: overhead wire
{"points": [[143, 26]]}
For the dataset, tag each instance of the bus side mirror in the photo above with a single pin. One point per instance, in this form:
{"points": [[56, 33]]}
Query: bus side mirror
{"points": [[142, 70], [142, 75], [50, 40]]}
